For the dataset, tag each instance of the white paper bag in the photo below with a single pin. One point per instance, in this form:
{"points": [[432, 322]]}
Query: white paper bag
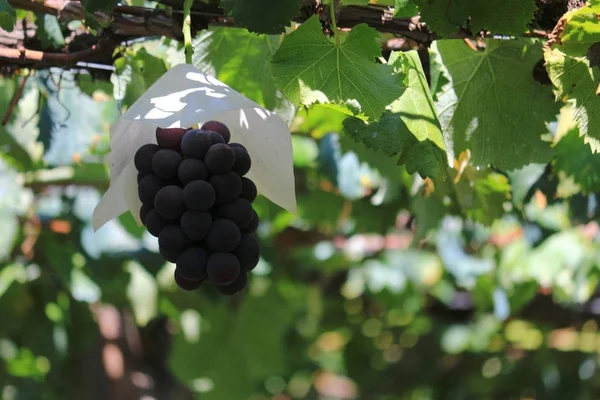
{"points": [[182, 97]]}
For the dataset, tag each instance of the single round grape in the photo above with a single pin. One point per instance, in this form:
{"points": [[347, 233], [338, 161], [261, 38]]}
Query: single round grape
{"points": [[144, 210], [218, 127], [199, 195], [191, 264], [227, 186], [170, 138], [222, 268], [239, 145], [172, 242], [191, 169], [195, 144], [196, 224], [253, 225], [155, 223], [239, 211], [143, 158], [223, 236], [165, 163], [242, 161], [219, 158], [186, 284], [249, 191], [237, 286], [169, 202], [148, 188], [216, 138], [248, 252]]}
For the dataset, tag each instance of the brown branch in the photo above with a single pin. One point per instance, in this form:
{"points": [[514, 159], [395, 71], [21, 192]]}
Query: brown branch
{"points": [[44, 59], [128, 22], [14, 100]]}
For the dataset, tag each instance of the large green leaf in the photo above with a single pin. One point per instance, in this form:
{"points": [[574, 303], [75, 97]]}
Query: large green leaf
{"points": [[492, 105], [241, 60], [262, 16], [576, 81], [580, 31], [310, 67], [445, 17], [135, 73], [575, 159], [411, 128], [8, 16]]}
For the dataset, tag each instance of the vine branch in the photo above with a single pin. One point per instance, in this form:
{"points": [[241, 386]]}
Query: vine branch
{"points": [[131, 22]]}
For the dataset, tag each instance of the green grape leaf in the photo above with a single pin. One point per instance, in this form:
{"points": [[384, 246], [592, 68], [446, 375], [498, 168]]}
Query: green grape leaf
{"points": [[262, 16], [135, 73], [411, 128], [391, 137], [576, 160], [309, 67], [99, 5], [575, 80], [486, 105], [49, 31], [355, 2], [481, 194], [580, 31], [405, 8], [445, 17], [217, 52], [8, 16]]}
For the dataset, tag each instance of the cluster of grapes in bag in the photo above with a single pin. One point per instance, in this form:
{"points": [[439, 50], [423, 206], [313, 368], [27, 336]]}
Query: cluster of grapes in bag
{"points": [[197, 201]]}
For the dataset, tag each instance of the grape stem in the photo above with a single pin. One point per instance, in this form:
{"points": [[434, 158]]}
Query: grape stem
{"points": [[186, 29]]}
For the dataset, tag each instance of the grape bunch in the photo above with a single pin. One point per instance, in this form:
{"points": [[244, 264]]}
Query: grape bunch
{"points": [[198, 203]]}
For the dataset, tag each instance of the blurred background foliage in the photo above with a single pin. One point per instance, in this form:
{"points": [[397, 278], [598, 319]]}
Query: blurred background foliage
{"points": [[380, 288]]}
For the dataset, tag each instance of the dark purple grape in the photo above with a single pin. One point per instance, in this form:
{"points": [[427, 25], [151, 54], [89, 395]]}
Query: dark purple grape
{"points": [[238, 145], [172, 242], [186, 284], [196, 224], [144, 210], [148, 188], [227, 186], [169, 202], [223, 236], [195, 144], [140, 176], [191, 264], [165, 163], [249, 191], [143, 158], [253, 225], [237, 286], [218, 127], [248, 252], [219, 159], [216, 138], [239, 211], [155, 223], [242, 161], [170, 138], [192, 169], [199, 195], [222, 268]]}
